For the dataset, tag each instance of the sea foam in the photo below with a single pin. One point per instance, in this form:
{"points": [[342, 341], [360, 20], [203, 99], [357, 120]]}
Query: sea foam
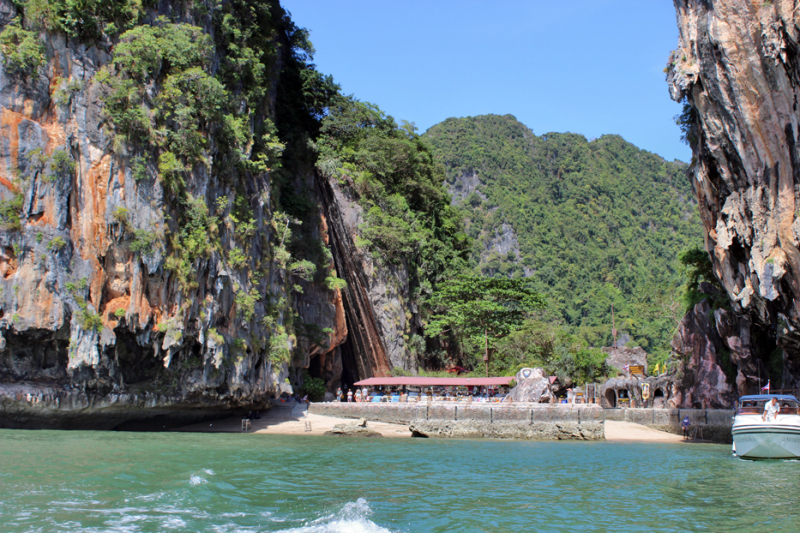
{"points": [[353, 518], [197, 480]]}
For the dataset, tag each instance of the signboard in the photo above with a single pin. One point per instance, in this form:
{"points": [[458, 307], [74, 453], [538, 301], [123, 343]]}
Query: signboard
{"points": [[637, 369]]}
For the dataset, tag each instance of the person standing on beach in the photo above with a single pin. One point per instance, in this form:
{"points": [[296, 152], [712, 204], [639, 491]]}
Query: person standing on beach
{"points": [[685, 426], [358, 395], [339, 395], [349, 395]]}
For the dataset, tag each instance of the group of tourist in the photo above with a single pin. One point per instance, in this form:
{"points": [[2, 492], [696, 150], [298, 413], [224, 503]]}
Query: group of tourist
{"points": [[361, 395], [364, 395]]}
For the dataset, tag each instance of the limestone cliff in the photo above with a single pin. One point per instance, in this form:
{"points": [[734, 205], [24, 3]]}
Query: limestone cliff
{"points": [[736, 68], [152, 261]]}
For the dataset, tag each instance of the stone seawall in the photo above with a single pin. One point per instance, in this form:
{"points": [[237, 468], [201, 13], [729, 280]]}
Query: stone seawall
{"points": [[710, 424], [528, 421], [446, 419]]}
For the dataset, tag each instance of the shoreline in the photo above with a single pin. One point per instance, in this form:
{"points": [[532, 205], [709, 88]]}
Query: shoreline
{"points": [[286, 420]]}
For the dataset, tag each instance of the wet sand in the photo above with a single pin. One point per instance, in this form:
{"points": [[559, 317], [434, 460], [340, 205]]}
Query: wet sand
{"points": [[291, 420]]}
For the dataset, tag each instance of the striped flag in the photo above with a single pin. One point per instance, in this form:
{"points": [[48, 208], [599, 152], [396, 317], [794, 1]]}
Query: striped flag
{"points": [[766, 387]]}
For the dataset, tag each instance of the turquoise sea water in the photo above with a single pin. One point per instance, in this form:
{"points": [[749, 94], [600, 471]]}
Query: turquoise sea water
{"points": [[113, 481]]}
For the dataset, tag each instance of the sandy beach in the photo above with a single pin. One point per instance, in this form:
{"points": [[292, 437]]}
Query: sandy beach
{"points": [[617, 431], [295, 420], [292, 420]]}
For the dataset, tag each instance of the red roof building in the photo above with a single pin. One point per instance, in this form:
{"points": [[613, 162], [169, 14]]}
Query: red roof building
{"points": [[410, 381]]}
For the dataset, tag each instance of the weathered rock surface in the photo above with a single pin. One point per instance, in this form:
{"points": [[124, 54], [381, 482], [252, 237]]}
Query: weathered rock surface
{"points": [[701, 381], [533, 385], [194, 346], [376, 297], [737, 66], [358, 429], [716, 363], [619, 357]]}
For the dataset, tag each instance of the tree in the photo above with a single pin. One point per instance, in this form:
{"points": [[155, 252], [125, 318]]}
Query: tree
{"points": [[698, 269], [481, 308]]}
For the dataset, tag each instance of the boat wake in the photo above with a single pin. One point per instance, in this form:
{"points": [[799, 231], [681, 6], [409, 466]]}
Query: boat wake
{"points": [[352, 518]]}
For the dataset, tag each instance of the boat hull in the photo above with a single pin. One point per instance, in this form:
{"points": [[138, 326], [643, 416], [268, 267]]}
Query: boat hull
{"points": [[767, 440]]}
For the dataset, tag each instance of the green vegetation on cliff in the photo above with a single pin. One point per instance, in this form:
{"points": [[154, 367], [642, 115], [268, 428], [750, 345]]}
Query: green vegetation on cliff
{"points": [[218, 109], [392, 172], [591, 223]]}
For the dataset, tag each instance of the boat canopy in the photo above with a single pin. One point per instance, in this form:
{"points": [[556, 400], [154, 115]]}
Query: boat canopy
{"points": [[762, 397], [418, 381]]}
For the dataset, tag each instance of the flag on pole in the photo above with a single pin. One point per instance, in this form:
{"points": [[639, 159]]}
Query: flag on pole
{"points": [[766, 387]]}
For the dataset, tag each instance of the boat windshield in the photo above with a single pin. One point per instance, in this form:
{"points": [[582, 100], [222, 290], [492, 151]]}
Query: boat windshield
{"points": [[756, 407]]}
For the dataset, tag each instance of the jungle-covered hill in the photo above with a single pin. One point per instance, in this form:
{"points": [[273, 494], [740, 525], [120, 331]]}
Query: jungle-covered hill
{"points": [[594, 223]]}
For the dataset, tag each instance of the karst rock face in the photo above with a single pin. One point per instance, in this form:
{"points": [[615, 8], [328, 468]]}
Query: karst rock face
{"points": [[96, 329], [701, 381], [738, 66]]}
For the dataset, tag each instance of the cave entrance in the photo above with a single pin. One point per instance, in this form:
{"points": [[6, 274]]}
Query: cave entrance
{"points": [[611, 398], [135, 363], [349, 368], [35, 355], [658, 399], [327, 367]]}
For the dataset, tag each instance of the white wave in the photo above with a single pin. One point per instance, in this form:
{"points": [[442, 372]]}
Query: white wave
{"points": [[209, 472], [351, 519], [173, 522], [197, 480]]}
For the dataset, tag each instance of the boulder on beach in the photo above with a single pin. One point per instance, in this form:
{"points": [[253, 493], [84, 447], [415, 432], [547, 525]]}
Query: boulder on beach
{"points": [[353, 429], [533, 385]]}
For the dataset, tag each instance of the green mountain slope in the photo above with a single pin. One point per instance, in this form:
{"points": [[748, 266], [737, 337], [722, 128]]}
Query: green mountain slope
{"points": [[594, 223]]}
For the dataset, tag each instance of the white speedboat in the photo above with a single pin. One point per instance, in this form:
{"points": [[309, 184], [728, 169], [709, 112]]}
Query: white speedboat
{"points": [[774, 438]]}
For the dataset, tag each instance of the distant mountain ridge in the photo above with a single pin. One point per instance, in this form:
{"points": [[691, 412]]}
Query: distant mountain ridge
{"points": [[593, 223]]}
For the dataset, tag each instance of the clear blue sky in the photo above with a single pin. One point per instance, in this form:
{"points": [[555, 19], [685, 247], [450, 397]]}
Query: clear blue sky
{"points": [[585, 66]]}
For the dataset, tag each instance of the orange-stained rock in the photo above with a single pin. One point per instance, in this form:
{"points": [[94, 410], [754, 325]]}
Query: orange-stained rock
{"points": [[736, 67]]}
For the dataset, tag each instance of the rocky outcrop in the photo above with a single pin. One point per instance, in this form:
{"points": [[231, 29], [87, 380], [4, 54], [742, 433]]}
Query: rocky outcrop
{"points": [[465, 184], [355, 429], [714, 362], [701, 381], [618, 358], [533, 385], [376, 297], [736, 67], [116, 286]]}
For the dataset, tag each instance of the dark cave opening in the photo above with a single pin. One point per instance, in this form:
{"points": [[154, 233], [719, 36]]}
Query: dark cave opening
{"points": [[135, 363], [35, 355], [349, 367], [611, 397]]}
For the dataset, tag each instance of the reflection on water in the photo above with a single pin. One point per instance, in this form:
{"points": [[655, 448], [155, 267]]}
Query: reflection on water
{"points": [[104, 481]]}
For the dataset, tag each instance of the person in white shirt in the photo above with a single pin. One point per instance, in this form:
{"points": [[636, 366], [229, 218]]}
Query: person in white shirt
{"points": [[771, 408]]}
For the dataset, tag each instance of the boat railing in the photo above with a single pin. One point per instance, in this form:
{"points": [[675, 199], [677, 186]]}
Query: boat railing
{"points": [[758, 410]]}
